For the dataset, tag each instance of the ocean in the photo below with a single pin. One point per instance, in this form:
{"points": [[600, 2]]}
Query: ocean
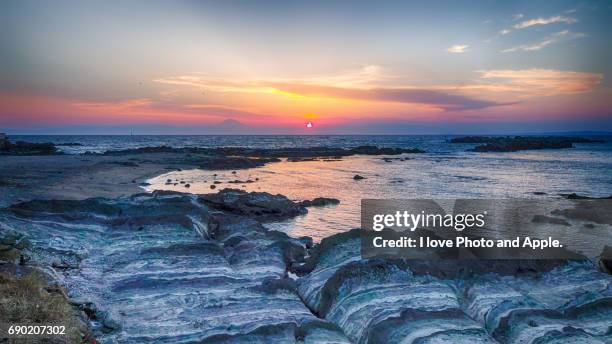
{"points": [[445, 171]]}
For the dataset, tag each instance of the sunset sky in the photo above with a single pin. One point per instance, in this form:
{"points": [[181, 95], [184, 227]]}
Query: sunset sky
{"points": [[346, 66]]}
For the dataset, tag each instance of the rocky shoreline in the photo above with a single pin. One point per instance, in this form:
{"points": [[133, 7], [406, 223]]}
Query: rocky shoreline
{"points": [[305, 152], [121, 173], [181, 268], [519, 143], [172, 267]]}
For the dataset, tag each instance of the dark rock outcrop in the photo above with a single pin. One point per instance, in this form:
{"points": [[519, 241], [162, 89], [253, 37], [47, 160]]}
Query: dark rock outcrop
{"points": [[260, 205], [517, 143], [320, 202], [27, 148], [232, 163], [305, 152]]}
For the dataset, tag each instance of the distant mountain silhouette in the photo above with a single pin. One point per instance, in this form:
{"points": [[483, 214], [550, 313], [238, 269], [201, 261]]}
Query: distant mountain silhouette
{"points": [[231, 123], [230, 126]]}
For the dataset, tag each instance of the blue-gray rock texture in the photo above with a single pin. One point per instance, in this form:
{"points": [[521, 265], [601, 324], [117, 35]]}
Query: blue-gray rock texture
{"points": [[169, 267]]}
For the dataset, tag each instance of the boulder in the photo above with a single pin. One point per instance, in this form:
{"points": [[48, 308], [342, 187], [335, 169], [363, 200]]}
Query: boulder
{"points": [[320, 202], [260, 205]]}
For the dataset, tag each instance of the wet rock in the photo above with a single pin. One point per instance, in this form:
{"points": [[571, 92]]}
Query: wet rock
{"points": [[301, 159], [238, 181], [27, 148], [492, 139], [517, 143], [293, 153], [142, 150], [320, 202], [358, 177], [260, 205], [166, 268]]}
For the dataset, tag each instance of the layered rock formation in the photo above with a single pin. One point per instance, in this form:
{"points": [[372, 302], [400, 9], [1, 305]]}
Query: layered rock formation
{"points": [[167, 268], [393, 301], [177, 268]]}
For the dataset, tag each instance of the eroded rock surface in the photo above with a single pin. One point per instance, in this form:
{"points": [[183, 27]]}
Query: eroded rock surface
{"points": [[408, 301], [167, 268]]}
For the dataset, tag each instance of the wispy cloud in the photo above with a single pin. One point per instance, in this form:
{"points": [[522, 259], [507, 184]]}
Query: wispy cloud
{"points": [[544, 21], [366, 85], [361, 77], [537, 82], [493, 88], [436, 98], [550, 39], [537, 21], [458, 48]]}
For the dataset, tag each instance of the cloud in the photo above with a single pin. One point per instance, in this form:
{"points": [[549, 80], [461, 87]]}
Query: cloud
{"points": [[436, 98], [365, 86], [550, 39], [361, 77], [116, 106], [538, 21], [142, 106], [545, 21], [458, 48], [537, 82]]}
